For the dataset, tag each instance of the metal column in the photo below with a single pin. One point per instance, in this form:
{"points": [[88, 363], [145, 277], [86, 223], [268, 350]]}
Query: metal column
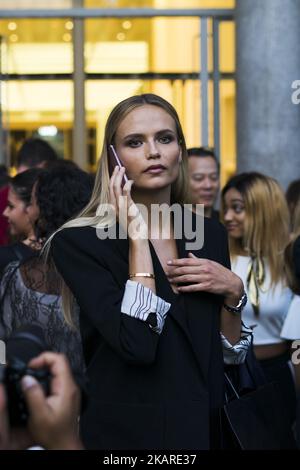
{"points": [[204, 82], [216, 79], [79, 128]]}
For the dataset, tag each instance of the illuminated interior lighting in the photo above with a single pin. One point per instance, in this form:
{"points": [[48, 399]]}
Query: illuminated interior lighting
{"points": [[121, 36], [12, 26], [14, 37], [127, 24], [67, 37], [47, 131], [69, 25]]}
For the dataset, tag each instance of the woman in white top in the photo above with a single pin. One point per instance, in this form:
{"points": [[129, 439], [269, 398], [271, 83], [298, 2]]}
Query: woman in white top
{"points": [[292, 256], [257, 220], [291, 328]]}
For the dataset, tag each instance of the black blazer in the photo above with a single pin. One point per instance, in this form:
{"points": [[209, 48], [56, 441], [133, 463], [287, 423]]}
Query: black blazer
{"points": [[146, 391]]}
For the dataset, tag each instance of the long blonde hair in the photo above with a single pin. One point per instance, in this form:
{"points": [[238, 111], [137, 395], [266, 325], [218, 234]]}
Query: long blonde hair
{"points": [[100, 194], [266, 232]]}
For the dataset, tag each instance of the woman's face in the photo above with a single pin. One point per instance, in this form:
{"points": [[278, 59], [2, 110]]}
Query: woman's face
{"points": [[17, 214], [147, 144], [234, 213]]}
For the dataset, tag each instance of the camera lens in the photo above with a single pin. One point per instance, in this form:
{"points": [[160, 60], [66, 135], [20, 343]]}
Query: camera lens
{"points": [[24, 344]]}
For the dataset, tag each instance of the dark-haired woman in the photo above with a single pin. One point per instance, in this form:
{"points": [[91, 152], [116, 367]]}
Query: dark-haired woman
{"points": [[21, 216], [252, 205], [291, 327], [30, 291]]}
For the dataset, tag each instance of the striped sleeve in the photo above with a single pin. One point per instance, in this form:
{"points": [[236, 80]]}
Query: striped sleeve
{"points": [[141, 303], [237, 354]]}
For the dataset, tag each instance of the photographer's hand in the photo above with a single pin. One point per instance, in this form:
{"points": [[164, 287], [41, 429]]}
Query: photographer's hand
{"points": [[16, 439], [4, 425], [53, 420]]}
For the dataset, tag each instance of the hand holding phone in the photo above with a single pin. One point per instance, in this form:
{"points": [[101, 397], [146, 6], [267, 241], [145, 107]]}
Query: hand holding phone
{"points": [[129, 215], [118, 160]]}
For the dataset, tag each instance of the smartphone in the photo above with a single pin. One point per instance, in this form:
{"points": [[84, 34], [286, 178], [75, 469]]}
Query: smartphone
{"points": [[118, 160]]}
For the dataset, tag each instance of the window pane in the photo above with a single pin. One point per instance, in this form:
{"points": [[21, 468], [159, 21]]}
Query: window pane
{"points": [[37, 46], [227, 46], [40, 108], [12, 4], [227, 127], [159, 3], [116, 46]]}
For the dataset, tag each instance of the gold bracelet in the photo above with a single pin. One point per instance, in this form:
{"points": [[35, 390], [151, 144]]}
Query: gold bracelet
{"points": [[142, 275]]}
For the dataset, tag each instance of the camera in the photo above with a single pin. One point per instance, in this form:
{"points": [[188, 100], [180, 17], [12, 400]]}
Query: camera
{"points": [[23, 345]]}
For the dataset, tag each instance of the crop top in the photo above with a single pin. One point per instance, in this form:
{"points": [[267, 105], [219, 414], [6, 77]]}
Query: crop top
{"points": [[277, 305]]}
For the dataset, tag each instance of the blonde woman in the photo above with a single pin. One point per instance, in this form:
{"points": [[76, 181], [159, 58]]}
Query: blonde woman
{"points": [[256, 216], [151, 309]]}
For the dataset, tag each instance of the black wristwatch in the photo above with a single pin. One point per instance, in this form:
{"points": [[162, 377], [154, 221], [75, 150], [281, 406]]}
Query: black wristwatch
{"points": [[239, 307]]}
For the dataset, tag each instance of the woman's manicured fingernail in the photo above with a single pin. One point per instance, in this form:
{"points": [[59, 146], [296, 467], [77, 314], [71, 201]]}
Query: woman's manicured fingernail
{"points": [[28, 382], [169, 262]]}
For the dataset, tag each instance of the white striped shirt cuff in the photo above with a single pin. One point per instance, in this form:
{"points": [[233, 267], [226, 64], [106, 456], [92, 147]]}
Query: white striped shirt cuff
{"points": [[139, 301], [237, 354]]}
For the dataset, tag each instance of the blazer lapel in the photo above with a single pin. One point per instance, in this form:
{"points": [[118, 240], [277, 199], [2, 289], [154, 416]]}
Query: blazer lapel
{"points": [[200, 313]]}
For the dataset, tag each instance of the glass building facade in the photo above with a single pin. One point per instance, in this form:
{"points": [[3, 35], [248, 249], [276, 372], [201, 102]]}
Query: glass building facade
{"points": [[122, 56]]}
